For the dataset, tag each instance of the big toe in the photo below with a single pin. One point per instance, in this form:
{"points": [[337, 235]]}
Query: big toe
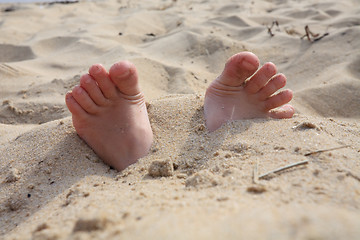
{"points": [[286, 111], [124, 76], [238, 68]]}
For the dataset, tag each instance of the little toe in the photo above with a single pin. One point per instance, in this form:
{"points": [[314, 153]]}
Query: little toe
{"points": [[100, 75], [278, 100], [239, 68], [260, 78], [74, 106], [124, 76], [90, 86], [286, 111], [84, 100], [277, 82]]}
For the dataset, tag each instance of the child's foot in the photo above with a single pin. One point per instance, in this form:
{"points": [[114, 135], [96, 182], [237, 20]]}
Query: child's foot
{"points": [[109, 113], [232, 96]]}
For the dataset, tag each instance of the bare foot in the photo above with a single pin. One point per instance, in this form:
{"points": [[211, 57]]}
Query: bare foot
{"points": [[234, 95], [109, 114]]}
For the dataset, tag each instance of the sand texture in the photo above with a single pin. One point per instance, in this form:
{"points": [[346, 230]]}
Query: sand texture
{"points": [[193, 184]]}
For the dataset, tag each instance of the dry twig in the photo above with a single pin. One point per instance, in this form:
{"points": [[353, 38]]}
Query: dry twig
{"points": [[63, 2], [349, 174], [270, 28], [284, 168], [256, 172], [326, 150], [315, 36]]}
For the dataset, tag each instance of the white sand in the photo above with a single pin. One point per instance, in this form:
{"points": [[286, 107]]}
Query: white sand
{"points": [[54, 187]]}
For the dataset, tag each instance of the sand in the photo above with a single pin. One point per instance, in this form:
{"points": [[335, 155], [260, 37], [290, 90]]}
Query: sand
{"points": [[193, 184]]}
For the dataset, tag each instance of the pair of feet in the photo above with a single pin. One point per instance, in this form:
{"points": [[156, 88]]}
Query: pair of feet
{"points": [[109, 111]]}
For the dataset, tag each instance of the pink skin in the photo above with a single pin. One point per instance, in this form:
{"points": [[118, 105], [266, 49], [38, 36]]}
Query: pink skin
{"points": [[243, 91], [110, 115]]}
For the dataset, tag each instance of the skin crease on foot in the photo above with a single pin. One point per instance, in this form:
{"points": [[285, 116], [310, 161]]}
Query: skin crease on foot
{"points": [[110, 115], [245, 91]]}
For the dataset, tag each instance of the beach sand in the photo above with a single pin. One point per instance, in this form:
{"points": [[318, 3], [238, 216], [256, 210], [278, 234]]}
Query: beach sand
{"points": [[193, 184]]}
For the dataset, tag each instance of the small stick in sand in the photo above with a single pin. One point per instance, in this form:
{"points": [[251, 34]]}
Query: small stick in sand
{"points": [[284, 168], [309, 34], [349, 174], [272, 25], [319, 38], [63, 2], [326, 150], [256, 173]]}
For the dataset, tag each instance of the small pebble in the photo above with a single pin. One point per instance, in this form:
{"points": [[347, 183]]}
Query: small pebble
{"points": [[15, 204], [41, 227], [201, 128], [202, 178], [162, 168], [222, 199], [181, 175], [256, 189], [13, 175], [89, 225], [305, 126], [297, 149], [316, 172]]}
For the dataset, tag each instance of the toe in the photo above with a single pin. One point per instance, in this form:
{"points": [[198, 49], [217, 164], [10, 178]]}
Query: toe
{"points": [[278, 100], [90, 86], [238, 68], [272, 86], [100, 75], [124, 76], [286, 111], [84, 100], [260, 78], [73, 105]]}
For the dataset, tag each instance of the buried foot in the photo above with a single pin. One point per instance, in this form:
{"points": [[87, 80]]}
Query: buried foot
{"points": [[243, 91], [109, 114]]}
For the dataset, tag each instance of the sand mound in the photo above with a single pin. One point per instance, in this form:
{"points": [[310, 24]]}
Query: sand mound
{"points": [[335, 100], [212, 176]]}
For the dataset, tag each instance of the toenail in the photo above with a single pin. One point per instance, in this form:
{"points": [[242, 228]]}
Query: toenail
{"points": [[270, 67], [124, 74], [248, 65], [97, 69]]}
